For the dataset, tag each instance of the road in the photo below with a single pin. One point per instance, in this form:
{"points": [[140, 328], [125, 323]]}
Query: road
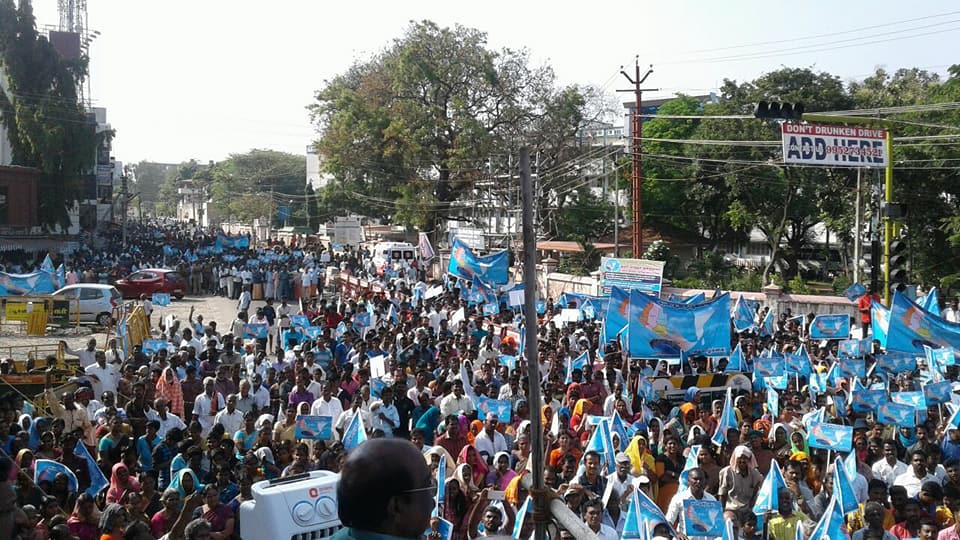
{"points": [[212, 308]]}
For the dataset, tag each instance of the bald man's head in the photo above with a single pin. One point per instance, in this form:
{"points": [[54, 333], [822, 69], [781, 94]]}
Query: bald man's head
{"points": [[385, 486]]}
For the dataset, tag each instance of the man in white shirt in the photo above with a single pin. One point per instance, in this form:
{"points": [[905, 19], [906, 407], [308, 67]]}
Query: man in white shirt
{"points": [[190, 341], [207, 405], [87, 356], [593, 517], [456, 401], [243, 304], [327, 405], [696, 482], [261, 395], [620, 482], [420, 388], [230, 418], [384, 414], [916, 475], [889, 468], [490, 441], [167, 420], [104, 377]]}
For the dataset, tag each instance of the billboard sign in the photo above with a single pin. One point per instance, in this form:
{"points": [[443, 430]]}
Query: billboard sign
{"points": [[837, 146], [630, 274]]}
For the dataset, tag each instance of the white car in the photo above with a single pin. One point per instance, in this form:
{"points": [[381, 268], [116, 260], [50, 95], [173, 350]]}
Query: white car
{"points": [[95, 301]]}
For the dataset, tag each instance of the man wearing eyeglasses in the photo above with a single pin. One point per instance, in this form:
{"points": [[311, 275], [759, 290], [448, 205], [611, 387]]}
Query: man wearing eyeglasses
{"points": [[385, 490]]}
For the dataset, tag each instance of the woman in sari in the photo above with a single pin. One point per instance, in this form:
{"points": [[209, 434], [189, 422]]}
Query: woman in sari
{"points": [[502, 474], [475, 427], [578, 422], [779, 443], [120, 482], [478, 466], [565, 445], [37, 428], [669, 466], [168, 388], [457, 502], [113, 521], [84, 522], [25, 461], [217, 514]]}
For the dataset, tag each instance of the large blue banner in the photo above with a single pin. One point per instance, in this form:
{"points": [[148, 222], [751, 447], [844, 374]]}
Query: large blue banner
{"points": [[465, 265], [21, 284], [879, 322], [742, 316], [659, 329], [239, 242], [911, 327], [618, 310], [930, 302], [835, 326]]}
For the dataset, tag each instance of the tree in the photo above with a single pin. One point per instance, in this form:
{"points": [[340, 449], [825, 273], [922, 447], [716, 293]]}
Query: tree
{"points": [[47, 126], [252, 185], [148, 179], [411, 131]]}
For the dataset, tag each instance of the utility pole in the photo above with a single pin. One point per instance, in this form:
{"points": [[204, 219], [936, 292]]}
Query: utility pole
{"points": [[123, 192], [857, 234], [637, 146], [530, 342]]}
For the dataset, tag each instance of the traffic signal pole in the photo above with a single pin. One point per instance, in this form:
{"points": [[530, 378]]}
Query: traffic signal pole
{"points": [[888, 184]]}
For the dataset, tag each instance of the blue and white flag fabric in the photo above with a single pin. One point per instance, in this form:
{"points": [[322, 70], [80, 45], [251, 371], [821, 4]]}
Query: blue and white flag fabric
{"points": [[579, 362], [618, 427], [645, 390], [601, 443], [618, 313], [766, 326], [868, 400], [853, 348], [930, 302], [355, 433], [46, 469], [659, 329], [160, 299], [935, 393], [797, 365], [773, 403], [742, 315], [942, 356], [879, 322], [854, 292], [737, 363], [692, 462], [392, 315], [767, 499], [47, 265], [525, 509], [852, 367], [913, 399], [813, 417], [632, 529], [464, 264], [850, 465], [911, 327], [501, 408], [299, 321], [834, 326], [830, 436], [894, 363], [896, 414], [441, 484], [843, 488], [255, 331], [97, 480], [491, 309], [61, 276], [728, 420], [831, 525], [361, 320], [954, 421], [703, 517]]}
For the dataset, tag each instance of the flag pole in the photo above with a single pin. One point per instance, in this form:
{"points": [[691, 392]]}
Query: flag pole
{"points": [[540, 508]]}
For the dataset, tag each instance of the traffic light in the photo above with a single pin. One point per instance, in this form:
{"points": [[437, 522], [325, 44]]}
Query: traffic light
{"points": [[898, 266], [776, 110], [871, 263]]}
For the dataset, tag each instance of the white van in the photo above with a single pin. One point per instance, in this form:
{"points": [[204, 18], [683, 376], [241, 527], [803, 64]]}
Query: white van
{"points": [[393, 252]]}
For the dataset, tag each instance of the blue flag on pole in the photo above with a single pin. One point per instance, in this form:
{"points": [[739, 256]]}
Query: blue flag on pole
{"points": [[742, 315], [767, 499], [830, 436], [728, 420], [911, 327], [97, 480], [662, 330], [854, 292], [578, 363], [692, 462], [736, 364], [843, 488], [930, 302], [618, 311], [831, 525], [835, 326], [464, 264], [355, 433], [773, 403], [879, 322], [766, 326], [525, 509]]}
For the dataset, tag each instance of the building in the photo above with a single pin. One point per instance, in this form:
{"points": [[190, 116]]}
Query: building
{"points": [[19, 199], [193, 202], [601, 134]]}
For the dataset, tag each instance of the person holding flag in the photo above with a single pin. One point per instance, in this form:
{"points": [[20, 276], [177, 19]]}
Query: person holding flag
{"points": [[696, 484]]}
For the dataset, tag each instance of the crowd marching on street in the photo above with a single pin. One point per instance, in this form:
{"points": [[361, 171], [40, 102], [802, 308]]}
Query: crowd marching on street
{"points": [[165, 441]]}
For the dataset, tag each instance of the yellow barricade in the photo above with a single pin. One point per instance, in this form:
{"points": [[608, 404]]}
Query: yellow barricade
{"points": [[37, 323]]}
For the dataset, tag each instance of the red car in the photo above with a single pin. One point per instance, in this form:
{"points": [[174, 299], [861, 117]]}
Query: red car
{"points": [[152, 280]]}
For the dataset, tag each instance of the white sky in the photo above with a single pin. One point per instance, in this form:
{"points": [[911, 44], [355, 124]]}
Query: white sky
{"points": [[206, 78]]}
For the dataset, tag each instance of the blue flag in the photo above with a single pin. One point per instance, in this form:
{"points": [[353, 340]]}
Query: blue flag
{"points": [[525, 509], [742, 315], [392, 315], [854, 292], [47, 265], [830, 436], [767, 498], [618, 312], [659, 329], [773, 403], [97, 480], [728, 420], [842, 488], [355, 433], [930, 302], [736, 364], [831, 525], [835, 326], [896, 414], [766, 326], [879, 322], [578, 363], [464, 264], [703, 518], [692, 462], [441, 483], [61, 276], [911, 327]]}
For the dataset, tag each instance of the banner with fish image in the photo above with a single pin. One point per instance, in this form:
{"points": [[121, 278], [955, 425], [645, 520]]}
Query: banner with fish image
{"points": [[830, 437], [834, 326], [702, 518], [659, 329]]}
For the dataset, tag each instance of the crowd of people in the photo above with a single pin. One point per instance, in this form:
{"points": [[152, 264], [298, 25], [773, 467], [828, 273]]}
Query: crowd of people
{"points": [[181, 432]]}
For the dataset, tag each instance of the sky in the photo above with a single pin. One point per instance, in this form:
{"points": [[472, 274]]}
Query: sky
{"points": [[205, 79]]}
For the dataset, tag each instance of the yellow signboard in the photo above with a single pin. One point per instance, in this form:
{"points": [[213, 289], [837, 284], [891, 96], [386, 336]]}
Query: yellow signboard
{"points": [[19, 311]]}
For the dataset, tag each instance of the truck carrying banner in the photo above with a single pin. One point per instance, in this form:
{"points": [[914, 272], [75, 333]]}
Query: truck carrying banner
{"points": [[837, 146]]}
